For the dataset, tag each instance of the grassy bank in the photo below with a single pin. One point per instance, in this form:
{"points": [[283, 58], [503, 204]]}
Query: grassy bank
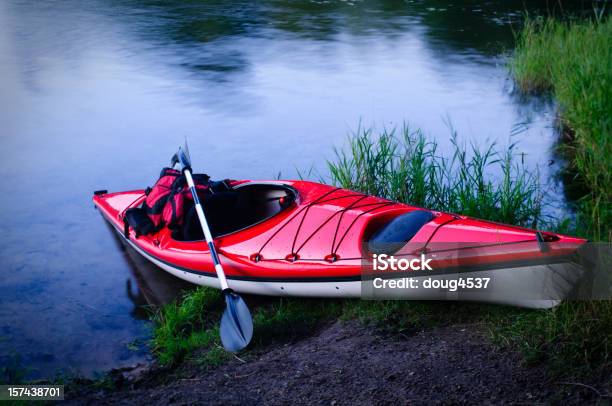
{"points": [[405, 166], [190, 328], [573, 61]]}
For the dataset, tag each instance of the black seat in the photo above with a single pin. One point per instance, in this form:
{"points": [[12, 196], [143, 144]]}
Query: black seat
{"points": [[231, 210], [395, 234], [221, 215]]}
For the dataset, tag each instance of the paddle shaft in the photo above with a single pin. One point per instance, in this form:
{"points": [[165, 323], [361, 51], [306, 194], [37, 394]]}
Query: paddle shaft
{"points": [[206, 230]]}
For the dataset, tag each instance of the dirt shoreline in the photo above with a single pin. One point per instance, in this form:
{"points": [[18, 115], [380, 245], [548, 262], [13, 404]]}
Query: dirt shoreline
{"points": [[349, 363]]}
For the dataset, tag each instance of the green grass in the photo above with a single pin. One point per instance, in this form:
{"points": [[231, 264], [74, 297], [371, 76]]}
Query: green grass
{"points": [[191, 324], [405, 166], [288, 319], [573, 61], [189, 328], [572, 339]]}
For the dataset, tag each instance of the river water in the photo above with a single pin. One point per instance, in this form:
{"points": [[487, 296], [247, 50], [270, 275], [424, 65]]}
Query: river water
{"points": [[98, 95]]}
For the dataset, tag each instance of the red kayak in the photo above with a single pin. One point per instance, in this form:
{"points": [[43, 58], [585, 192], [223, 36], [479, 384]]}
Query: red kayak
{"points": [[298, 238]]}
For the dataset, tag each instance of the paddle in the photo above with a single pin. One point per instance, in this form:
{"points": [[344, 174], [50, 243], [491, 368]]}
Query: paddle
{"points": [[236, 324]]}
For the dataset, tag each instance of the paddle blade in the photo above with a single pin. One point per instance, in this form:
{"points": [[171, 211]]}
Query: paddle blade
{"points": [[236, 324], [183, 157]]}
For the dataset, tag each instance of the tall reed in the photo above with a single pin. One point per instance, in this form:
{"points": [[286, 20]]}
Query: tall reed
{"points": [[405, 166]]}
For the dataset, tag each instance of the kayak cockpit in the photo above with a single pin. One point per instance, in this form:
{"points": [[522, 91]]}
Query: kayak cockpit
{"points": [[393, 234], [235, 209]]}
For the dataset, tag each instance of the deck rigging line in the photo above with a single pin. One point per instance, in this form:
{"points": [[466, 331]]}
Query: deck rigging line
{"points": [[324, 198]]}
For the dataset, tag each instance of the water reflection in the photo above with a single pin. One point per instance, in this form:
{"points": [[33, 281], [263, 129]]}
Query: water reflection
{"points": [[207, 30], [153, 286]]}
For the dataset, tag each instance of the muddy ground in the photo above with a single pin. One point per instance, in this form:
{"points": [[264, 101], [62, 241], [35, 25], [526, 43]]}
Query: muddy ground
{"points": [[346, 363]]}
